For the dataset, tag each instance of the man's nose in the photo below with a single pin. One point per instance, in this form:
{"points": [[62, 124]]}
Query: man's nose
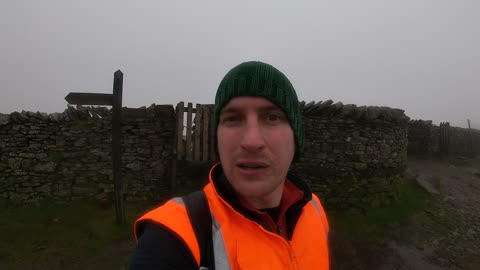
{"points": [[253, 138]]}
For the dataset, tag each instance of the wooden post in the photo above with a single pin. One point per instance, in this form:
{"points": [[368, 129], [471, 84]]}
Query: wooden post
{"points": [[198, 133], [115, 100], [445, 138], [447, 131], [472, 151], [213, 154], [188, 144], [117, 146], [442, 139], [206, 127], [180, 149], [173, 169]]}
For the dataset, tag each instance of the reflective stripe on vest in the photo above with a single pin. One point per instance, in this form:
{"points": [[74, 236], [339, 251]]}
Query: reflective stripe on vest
{"points": [[322, 216], [219, 251]]}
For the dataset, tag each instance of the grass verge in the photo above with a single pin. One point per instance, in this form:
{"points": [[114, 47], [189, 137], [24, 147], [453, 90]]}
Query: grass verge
{"points": [[84, 235], [360, 239], [54, 236]]}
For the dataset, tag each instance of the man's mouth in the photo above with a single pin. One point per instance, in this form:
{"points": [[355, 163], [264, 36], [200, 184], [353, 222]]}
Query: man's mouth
{"points": [[251, 165]]}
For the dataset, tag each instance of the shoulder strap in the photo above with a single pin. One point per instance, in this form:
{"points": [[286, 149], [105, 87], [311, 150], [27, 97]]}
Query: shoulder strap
{"points": [[199, 213]]}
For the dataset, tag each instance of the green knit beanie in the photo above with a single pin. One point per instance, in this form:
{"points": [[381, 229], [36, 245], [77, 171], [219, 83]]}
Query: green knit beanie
{"points": [[259, 79]]}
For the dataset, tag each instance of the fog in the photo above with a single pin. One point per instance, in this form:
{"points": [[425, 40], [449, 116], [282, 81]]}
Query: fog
{"points": [[419, 56]]}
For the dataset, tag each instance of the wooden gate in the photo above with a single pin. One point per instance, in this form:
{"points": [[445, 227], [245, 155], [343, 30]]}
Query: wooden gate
{"points": [[193, 136], [193, 140]]}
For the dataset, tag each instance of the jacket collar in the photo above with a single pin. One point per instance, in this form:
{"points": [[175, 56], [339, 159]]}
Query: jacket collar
{"points": [[295, 195]]}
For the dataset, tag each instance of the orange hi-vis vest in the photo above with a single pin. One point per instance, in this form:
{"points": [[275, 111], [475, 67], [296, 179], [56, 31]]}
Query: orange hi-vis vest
{"points": [[241, 243]]}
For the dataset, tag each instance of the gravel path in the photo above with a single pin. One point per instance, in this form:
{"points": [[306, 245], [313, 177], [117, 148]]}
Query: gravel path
{"points": [[447, 234]]}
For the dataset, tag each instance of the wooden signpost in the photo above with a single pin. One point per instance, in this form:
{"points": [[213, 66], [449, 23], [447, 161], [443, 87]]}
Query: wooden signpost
{"points": [[114, 100]]}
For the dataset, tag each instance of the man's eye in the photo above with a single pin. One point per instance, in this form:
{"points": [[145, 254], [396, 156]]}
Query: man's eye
{"points": [[273, 117], [231, 119]]}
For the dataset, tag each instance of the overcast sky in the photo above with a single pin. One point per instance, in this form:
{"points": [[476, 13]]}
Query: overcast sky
{"points": [[420, 56]]}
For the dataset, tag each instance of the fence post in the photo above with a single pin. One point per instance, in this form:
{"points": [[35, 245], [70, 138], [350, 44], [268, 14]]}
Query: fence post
{"points": [[177, 142], [180, 149], [470, 133], [198, 133], [188, 144], [213, 154], [445, 139], [206, 127]]}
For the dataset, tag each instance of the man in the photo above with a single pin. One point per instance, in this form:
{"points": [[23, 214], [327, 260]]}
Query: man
{"points": [[263, 217]]}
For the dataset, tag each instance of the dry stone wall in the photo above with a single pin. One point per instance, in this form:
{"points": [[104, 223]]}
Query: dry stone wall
{"points": [[66, 156], [353, 155], [422, 138]]}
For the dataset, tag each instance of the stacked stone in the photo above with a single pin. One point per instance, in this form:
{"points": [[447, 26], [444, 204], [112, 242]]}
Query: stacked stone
{"points": [[353, 155], [147, 154], [421, 138], [67, 156]]}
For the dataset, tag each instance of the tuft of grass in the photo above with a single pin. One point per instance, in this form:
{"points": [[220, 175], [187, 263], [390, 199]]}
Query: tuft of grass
{"points": [[379, 220], [360, 239], [54, 236]]}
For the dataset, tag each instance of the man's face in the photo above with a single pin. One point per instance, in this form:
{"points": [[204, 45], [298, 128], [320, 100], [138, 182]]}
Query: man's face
{"points": [[256, 147]]}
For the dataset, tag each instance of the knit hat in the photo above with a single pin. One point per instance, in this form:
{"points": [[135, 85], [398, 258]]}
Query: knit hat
{"points": [[259, 79]]}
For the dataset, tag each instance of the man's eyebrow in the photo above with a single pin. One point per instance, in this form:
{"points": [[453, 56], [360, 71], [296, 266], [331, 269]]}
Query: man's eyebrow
{"points": [[270, 108], [230, 110], [265, 108]]}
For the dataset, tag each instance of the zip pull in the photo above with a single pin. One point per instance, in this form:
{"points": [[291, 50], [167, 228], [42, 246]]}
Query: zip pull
{"points": [[279, 229]]}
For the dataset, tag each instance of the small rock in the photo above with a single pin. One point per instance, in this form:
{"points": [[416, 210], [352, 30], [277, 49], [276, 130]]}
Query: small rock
{"points": [[45, 167], [4, 119], [423, 182], [40, 245], [134, 166], [449, 198]]}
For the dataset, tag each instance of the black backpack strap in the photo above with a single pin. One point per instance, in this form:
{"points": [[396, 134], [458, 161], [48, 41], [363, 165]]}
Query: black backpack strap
{"points": [[199, 213]]}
